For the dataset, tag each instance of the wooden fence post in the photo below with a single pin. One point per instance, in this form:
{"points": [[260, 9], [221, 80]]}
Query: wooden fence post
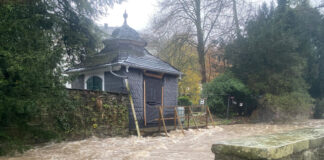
{"points": [[161, 113], [188, 118], [206, 118], [211, 117], [179, 121], [193, 117]]}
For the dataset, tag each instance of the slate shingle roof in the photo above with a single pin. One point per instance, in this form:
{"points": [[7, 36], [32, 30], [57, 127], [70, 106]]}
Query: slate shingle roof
{"points": [[149, 62], [125, 47], [126, 32]]}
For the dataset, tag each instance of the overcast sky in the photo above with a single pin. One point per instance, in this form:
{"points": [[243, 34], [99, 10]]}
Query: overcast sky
{"points": [[139, 13]]}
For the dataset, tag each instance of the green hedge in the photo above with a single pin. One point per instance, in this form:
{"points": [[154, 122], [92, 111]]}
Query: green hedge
{"points": [[184, 101]]}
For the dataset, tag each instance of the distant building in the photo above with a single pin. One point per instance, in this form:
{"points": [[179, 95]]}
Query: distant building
{"points": [[107, 29], [152, 81]]}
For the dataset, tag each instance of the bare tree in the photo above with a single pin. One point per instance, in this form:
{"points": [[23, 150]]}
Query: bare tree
{"points": [[199, 18], [236, 21], [321, 5], [207, 22]]}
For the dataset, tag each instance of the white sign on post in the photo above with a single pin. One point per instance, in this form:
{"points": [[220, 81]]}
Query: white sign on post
{"points": [[202, 102]]}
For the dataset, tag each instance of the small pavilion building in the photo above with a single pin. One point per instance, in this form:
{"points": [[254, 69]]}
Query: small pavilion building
{"points": [[152, 81]]}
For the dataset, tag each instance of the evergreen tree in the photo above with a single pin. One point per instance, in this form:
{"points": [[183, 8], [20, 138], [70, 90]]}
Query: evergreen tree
{"points": [[279, 49], [37, 38], [279, 57]]}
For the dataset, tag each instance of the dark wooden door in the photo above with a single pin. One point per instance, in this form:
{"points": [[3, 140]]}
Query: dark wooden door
{"points": [[153, 93]]}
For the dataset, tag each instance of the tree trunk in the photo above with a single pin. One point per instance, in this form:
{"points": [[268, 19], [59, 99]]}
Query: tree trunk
{"points": [[201, 43], [203, 67], [210, 68], [237, 26]]}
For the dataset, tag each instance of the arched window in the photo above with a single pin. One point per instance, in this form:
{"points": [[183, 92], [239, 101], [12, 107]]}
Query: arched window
{"points": [[94, 83]]}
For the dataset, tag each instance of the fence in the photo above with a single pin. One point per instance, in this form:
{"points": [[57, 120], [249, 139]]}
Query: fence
{"points": [[193, 116]]}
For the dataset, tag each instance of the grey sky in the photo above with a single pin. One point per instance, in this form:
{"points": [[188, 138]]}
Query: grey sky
{"points": [[139, 13]]}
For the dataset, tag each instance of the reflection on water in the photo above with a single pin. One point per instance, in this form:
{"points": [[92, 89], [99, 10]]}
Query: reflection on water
{"points": [[195, 144]]}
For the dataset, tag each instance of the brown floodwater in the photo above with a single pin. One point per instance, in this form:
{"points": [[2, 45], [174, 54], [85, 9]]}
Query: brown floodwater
{"points": [[195, 144]]}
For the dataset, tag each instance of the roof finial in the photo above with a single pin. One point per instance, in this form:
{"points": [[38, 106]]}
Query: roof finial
{"points": [[125, 17]]}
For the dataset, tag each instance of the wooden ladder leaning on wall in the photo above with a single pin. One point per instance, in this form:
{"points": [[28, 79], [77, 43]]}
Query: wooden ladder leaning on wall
{"points": [[176, 118]]}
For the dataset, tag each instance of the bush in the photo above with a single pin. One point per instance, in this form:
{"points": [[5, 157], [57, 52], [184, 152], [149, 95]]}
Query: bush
{"points": [[219, 90], [184, 101], [319, 109], [284, 107]]}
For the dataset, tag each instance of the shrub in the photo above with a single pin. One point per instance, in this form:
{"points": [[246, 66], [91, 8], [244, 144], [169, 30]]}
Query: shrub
{"points": [[319, 109], [184, 101], [218, 91], [284, 107]]}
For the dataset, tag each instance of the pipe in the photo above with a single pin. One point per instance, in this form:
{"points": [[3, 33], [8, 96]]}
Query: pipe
{"points": [[127, 67], [115, 74]]}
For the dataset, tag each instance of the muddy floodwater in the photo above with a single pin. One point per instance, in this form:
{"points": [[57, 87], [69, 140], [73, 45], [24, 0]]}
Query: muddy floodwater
{"points": [[195, 144]]}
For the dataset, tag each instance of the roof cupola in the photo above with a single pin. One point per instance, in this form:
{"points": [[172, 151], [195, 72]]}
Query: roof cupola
{"points": [[126, 34]]}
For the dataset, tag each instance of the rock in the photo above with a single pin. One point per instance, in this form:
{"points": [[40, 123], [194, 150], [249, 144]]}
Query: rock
{"points": [[303, 144]]}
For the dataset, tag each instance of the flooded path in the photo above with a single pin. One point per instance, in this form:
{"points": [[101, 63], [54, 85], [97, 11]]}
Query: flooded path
{"points": [[195, 144]]}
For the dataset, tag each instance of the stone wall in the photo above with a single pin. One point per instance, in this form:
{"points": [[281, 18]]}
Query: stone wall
{"points": [[79, 114], [96, 113], [302, 144]]}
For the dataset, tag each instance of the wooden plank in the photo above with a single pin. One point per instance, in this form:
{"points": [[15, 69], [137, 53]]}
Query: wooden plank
{"points": [[179, 117], [144, 103], [159, 76], [193, 117], [159, 120], [162, 97], [171, 118], [188, 125], [179, 121], [159, 124], [181, 106], [211, 117], [164, 127], [133, 108], [160, 108], [206, 118], [175, 118]]}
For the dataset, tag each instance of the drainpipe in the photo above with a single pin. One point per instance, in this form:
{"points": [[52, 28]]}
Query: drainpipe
{"points": [[130, 98]]}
